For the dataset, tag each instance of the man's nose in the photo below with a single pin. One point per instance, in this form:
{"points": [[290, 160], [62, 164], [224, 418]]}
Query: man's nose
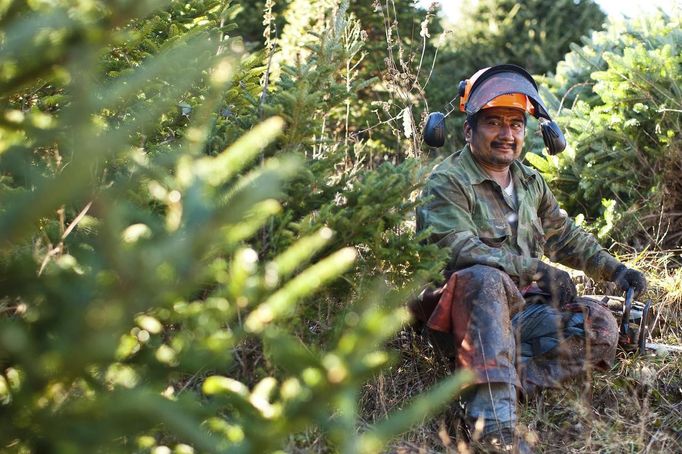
{"points": [[505, 131]]}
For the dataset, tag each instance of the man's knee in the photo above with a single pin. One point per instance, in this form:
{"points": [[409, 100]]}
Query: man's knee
{"points": [[484, 288], [484, 275]]}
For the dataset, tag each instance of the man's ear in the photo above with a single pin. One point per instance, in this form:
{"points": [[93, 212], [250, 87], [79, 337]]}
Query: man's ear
{"points": [[467, 132]]}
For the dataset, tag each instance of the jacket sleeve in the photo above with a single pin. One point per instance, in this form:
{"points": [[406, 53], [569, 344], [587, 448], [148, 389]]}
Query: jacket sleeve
{"points": [[447, 211], [570, 245]]}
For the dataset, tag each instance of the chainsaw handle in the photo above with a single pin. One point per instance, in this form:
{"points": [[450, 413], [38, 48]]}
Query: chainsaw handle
{"points": [[627, 306], [644, 328]]}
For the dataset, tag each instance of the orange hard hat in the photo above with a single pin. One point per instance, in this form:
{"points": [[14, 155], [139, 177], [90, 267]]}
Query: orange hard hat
{"points": [[516, 100]]}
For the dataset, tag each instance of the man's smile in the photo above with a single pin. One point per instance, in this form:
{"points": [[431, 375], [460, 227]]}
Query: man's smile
{"points": [[503, 146]]}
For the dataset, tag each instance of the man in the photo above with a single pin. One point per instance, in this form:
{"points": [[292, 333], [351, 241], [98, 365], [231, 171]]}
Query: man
{"points": [[513, 319]]}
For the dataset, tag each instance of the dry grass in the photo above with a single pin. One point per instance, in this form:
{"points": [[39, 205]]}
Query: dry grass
{"points": [[419, 367], [635, 407]]}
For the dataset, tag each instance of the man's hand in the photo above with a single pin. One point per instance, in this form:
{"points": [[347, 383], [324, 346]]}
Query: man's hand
{"points": [[557, 283], [626, 278]]}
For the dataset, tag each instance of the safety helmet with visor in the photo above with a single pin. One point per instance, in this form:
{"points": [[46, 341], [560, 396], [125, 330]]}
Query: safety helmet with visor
{"points": [[499, 86], [515, 100]]}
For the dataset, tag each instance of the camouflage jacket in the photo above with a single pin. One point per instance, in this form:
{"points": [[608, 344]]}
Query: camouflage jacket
{"points": [[469, 213]]}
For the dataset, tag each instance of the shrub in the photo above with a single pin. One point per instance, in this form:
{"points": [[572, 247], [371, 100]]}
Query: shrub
{"points": [[624, 157]]}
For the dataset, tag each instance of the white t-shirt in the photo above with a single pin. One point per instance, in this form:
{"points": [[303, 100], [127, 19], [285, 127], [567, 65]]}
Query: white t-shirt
{"points": [[509, 190]]}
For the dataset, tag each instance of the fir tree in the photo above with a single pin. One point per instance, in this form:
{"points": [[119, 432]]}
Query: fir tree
{"points": [[141, 264]]}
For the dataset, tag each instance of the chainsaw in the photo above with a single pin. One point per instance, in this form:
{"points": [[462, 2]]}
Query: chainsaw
{"points": [[636, 322]]}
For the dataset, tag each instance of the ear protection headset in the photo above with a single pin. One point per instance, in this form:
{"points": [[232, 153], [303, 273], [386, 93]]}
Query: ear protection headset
{"points": [[501, 85]]}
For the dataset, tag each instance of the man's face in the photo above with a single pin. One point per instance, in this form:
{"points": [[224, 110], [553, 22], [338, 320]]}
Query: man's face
{"points": [[498, 138]]}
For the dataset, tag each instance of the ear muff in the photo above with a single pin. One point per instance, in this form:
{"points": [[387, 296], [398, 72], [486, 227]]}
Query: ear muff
{"points": [[434, 129], [553, 137]]}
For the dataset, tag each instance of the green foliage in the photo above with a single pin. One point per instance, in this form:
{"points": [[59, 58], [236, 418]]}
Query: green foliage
{"points": [[398, 57], [365, 205], [535, 34], [164, 219], [623, 133], [383, 77]]}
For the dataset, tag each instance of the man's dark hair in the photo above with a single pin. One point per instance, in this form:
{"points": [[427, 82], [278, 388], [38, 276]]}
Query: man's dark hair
{"points": [[472, 120]]}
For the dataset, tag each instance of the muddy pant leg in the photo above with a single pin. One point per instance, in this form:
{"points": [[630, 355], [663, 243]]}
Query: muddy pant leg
{"points": [[483, 301], [479, 307]]}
